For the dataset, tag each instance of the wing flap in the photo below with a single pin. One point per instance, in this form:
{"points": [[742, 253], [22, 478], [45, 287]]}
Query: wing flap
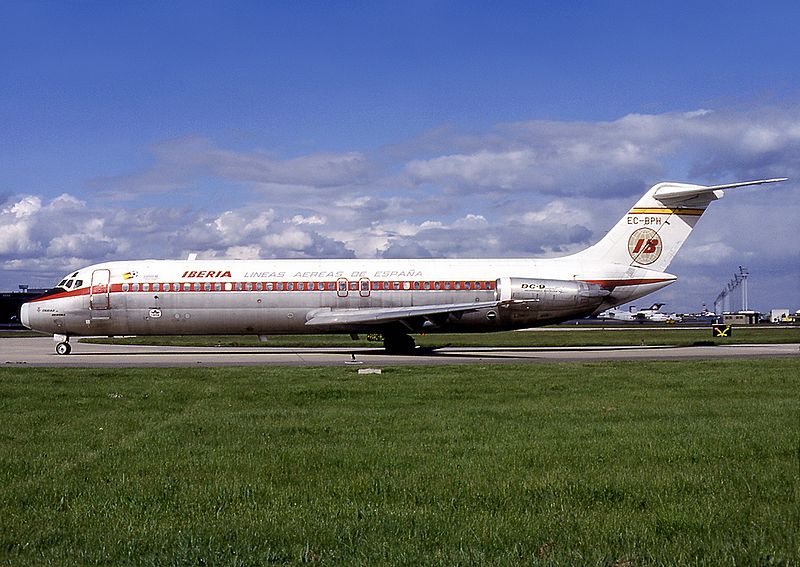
{"points": [[383, 315]]}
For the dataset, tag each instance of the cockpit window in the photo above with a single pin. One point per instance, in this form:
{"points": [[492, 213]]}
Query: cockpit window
{"points": [[70, 282]]}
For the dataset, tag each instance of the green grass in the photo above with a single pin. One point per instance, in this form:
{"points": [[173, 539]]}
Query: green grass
{"points": [[631, 463], [566, 336]]}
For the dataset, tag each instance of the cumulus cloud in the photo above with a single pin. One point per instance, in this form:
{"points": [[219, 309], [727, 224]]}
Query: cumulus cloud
{"points": [[616, 157], [179, 164]]}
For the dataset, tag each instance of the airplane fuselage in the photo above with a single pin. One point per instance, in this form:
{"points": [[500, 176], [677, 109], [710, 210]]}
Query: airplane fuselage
{"points": [[168, 297]]}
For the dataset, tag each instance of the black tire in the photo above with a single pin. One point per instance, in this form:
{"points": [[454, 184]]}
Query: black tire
{"points": [[63, 348], [399, 344]]}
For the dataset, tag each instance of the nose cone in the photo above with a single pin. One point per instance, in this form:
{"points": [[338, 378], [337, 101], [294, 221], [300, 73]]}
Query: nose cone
{"points": [[24, 315]]}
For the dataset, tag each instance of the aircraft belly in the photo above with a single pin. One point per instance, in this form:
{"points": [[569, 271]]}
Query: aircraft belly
{"points": [[522, 316], [276, 313], [272, 313]]}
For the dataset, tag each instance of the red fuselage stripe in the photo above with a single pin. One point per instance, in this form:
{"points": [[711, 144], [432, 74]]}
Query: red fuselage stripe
{"points": [[351, 286]]}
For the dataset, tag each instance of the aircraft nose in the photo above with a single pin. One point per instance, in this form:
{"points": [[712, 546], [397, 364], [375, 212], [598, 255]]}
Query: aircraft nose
{"points": [[24, 316]]}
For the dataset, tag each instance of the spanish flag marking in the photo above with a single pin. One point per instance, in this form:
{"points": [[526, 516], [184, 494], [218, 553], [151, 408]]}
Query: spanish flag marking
{"points": [[666, 211]]}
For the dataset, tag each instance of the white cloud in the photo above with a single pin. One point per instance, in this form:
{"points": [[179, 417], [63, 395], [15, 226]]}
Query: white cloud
{"points": [[313, 219], [290, 238], [243, 252], [25, 207]]}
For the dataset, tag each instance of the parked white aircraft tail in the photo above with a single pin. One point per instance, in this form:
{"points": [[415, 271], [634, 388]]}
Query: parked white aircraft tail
{"points": [[390, 297], [651, 314]]}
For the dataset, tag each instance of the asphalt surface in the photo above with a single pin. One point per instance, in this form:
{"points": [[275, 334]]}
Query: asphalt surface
{"points": [[39, 351]]}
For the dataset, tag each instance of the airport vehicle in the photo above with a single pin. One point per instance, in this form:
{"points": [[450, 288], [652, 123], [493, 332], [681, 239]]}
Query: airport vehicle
{"points": [[651, 314], [394, 298]]}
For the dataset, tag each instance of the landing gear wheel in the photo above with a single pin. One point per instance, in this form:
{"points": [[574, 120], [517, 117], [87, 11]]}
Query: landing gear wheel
{"points": [[399, 344], [63, 348]]}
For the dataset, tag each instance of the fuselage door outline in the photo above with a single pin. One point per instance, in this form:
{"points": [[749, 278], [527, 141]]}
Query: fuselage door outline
{"points": [[342, 287], [99, 290]]}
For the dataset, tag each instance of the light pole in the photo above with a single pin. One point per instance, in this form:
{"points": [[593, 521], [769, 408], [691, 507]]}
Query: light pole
{"points": [[744, 272]]}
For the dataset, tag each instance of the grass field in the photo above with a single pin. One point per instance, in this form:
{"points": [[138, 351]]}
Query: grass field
{"points": [[655, 463], [560, 336]]}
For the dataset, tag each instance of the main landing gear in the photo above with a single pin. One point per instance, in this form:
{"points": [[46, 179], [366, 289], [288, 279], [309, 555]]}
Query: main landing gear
{"points": [[62, 344], [399, 344]]}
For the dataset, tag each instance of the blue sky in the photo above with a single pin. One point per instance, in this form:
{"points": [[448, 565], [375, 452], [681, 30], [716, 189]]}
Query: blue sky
{"points": [[354, 129]]}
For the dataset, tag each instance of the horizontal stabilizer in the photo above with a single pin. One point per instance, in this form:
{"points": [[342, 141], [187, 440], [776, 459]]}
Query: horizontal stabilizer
{"points": [[680, 191]]}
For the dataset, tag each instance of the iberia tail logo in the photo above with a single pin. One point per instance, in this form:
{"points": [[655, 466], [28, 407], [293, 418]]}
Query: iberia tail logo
{"points": [[644, 246]]}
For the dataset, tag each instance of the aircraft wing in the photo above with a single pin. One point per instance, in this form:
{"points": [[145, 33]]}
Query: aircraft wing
{"points": [[384, 315]]}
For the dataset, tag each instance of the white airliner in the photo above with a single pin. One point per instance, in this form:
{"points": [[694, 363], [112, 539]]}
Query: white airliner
{"points": [[652, 314], [392, 297]]}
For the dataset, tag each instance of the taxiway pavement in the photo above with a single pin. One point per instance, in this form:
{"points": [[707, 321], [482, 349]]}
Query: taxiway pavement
{"points": [[39, 351]]}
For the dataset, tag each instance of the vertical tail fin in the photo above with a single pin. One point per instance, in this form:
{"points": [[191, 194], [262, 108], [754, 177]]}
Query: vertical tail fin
{"points": [[655, 228]]}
